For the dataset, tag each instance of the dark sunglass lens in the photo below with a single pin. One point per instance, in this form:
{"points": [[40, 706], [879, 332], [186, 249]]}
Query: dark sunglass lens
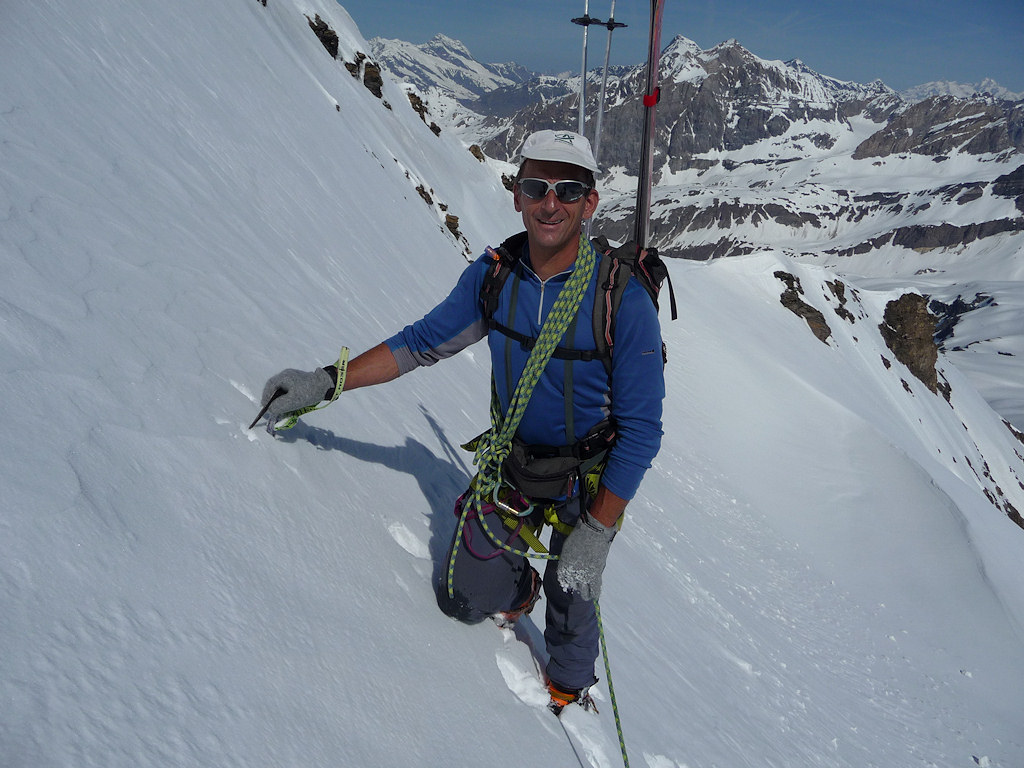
{"points": [[535, 189], [569, 191]]}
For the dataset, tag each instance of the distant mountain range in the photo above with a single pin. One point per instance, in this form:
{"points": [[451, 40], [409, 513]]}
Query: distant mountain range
{"points": [[762, 134], [447, 63], [719, 99], [986, 87]]}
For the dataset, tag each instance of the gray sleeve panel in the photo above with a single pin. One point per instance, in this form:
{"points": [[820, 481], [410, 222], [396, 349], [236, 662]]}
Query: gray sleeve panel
{"points": [[408, 358]]}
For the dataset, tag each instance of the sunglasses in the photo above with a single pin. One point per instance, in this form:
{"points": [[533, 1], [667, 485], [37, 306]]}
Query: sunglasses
{"points": [[566, 191]]}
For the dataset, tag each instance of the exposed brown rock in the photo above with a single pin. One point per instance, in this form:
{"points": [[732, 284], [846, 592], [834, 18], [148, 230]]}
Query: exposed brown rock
{"points": [[327, 36], [418, 106], [373, 80], [791, 300], [908, 330]]}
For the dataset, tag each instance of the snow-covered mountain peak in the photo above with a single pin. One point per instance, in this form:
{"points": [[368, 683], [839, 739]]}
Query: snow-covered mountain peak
{"points": [[445, 63], [681, 60], [680, 46], [444, 45], [726, 45]]}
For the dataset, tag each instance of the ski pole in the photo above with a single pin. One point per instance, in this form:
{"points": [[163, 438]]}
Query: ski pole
{"points": [[584, 21], [612, 26]]}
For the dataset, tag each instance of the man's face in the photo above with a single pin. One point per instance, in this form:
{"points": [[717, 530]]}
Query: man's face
{"points": [[553, 226]]}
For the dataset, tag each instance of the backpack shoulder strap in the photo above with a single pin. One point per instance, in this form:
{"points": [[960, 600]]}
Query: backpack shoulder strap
{"points": [[503, 258], [613, 273], [617, 266]]}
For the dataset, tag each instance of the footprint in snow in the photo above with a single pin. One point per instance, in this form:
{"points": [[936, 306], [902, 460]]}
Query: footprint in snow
{"points": [[522, 679], [409, 541]]}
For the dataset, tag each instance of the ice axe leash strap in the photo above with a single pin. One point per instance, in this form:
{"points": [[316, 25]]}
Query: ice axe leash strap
{"points": [[292, 418]]}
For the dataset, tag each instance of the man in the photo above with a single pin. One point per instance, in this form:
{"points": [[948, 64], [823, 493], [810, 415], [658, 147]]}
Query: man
{"points": [[575, 401]]}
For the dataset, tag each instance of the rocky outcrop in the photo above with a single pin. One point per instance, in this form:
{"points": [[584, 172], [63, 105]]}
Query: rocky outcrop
{"points": [[908, 330], [369, 71], [452, 223], [948, 315], [327, 36], [944, 124], [419, 106], [926, 237], [1011, 185], [791, 300]]}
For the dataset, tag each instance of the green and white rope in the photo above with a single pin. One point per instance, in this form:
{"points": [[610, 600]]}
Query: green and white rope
{"points": [[611, 688]]}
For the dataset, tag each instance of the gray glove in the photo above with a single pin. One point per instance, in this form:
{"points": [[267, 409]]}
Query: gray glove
{"points": [[583, 557], [300, 389]]}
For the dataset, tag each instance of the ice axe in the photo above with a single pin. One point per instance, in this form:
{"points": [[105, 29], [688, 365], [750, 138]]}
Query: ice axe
{"points": [[263, 411]]}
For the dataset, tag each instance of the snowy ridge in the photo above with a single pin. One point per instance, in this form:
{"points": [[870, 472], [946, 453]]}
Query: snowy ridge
{"points": [[684, 60], [960, 90], [447, 64], [812, 575]]}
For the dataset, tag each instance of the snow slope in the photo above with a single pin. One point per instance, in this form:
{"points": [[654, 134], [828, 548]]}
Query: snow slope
{"points": [[195, 195]]}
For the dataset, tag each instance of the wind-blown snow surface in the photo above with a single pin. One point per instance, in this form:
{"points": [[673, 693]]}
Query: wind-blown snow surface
{"points": [[193, 196]]}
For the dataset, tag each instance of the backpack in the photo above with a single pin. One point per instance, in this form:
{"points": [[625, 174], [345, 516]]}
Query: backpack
{"points": [[615, 267]]}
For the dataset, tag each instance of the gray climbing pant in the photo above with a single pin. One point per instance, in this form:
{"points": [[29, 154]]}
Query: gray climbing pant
{"points": [[488, 580]]}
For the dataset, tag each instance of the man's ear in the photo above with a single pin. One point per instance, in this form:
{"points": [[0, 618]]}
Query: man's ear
{"points": [[591, 203], [515, 199]]}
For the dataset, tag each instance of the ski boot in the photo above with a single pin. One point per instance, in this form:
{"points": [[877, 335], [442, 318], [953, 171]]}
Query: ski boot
{"points": [[561, 697]]}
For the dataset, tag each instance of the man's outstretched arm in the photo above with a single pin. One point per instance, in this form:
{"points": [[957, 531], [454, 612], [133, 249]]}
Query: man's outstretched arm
{"points": [[374, 366]]}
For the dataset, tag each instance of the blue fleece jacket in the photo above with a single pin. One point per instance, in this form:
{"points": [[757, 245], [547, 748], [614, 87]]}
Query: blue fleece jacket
{"points": [[632, 395]]}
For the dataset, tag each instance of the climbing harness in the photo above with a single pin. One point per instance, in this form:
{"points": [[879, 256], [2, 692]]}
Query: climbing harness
{"points": [[494, 445]]}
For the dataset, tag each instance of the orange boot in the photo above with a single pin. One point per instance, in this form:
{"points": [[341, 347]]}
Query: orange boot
{"points": [[561, 697]]}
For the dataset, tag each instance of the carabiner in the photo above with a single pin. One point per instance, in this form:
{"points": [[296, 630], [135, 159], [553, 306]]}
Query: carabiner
{"points": [[504, 505]]}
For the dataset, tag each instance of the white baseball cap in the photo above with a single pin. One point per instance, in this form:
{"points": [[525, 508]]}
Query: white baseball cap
{"points": [[560, 147]]}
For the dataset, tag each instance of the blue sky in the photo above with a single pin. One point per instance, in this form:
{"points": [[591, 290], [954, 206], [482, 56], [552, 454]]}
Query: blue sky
{"points": [[902, 42]]}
